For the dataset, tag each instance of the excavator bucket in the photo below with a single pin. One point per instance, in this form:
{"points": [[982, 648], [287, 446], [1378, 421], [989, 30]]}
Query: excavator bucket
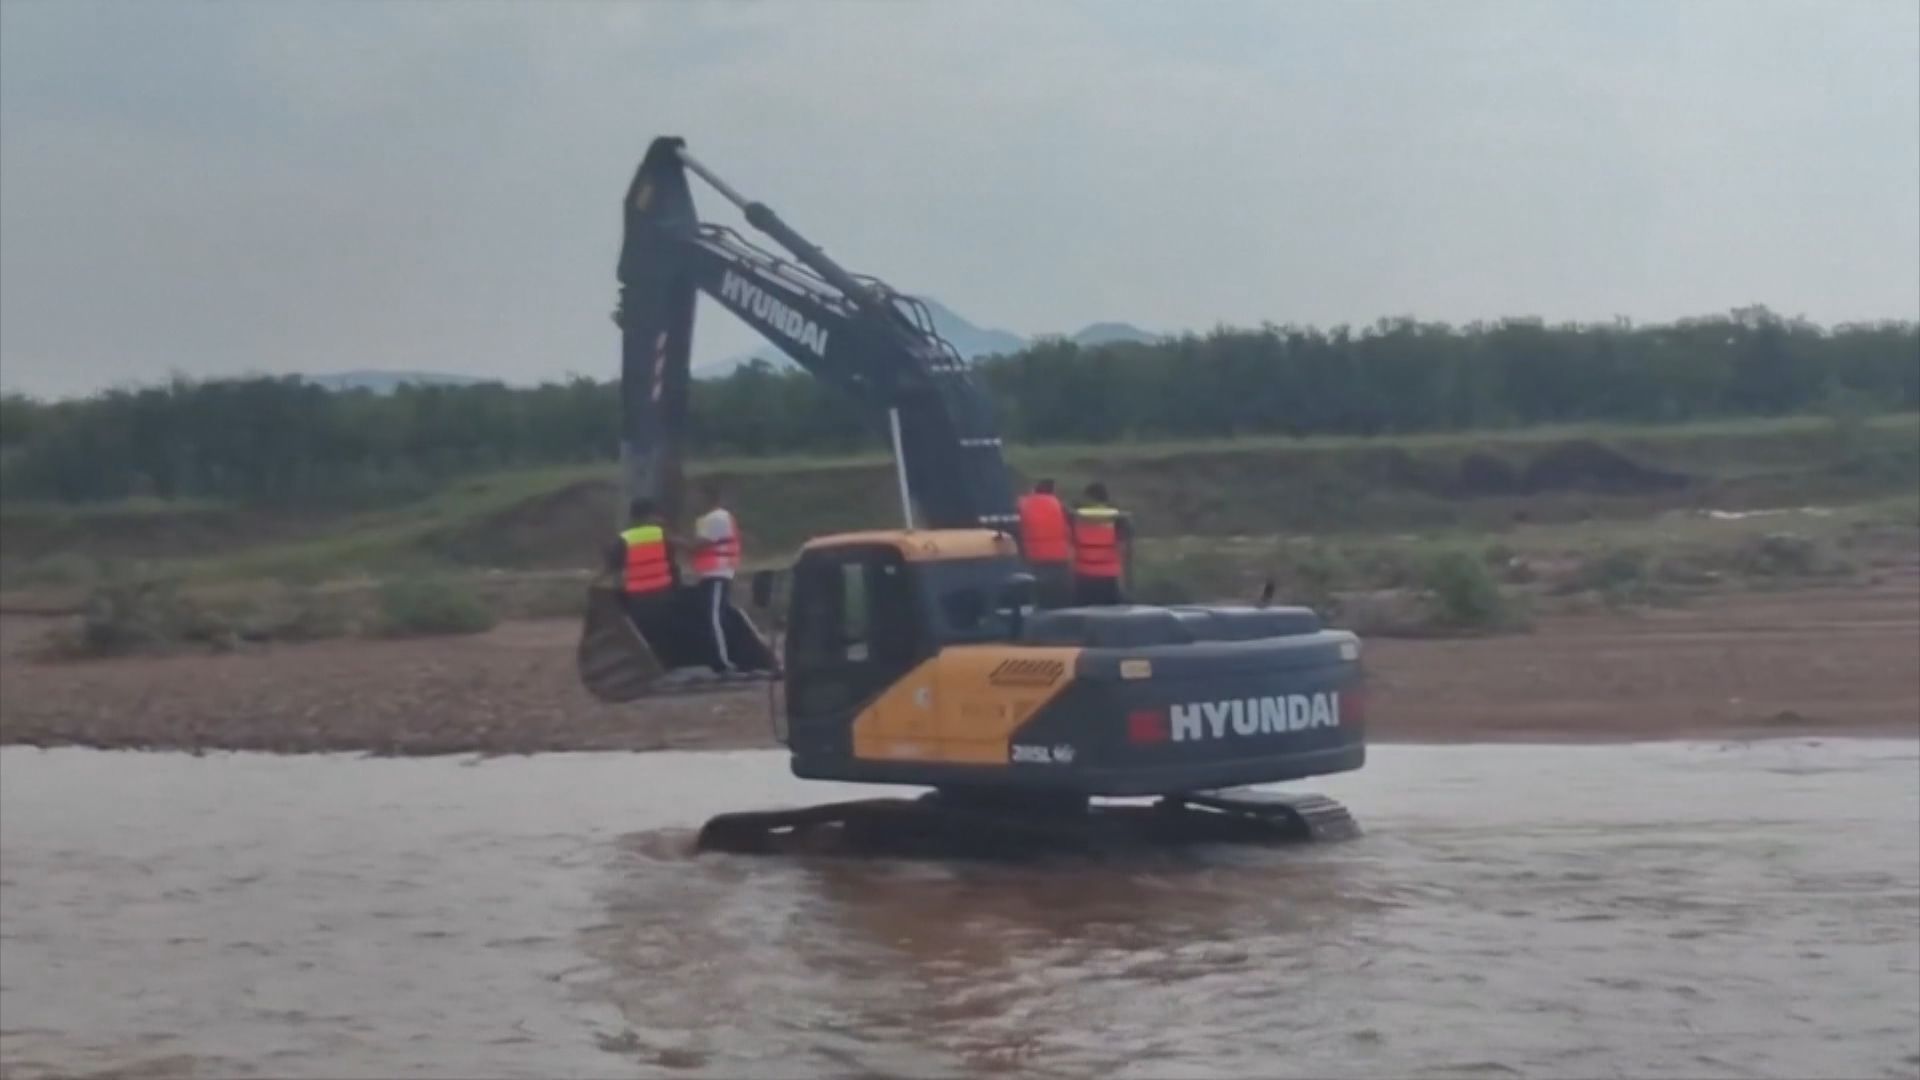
{"points": [[618, 663]]}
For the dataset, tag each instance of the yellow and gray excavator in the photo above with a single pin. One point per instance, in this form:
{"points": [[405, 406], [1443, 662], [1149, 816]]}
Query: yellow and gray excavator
{"points": [[914, 656]]}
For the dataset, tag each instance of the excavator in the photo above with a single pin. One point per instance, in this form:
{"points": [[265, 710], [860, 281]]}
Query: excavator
{"points": [[915, 656]]}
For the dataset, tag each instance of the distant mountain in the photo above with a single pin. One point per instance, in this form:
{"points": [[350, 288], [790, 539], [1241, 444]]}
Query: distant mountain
{"points": [[971, 341], [1109, 333], [385, 382]]}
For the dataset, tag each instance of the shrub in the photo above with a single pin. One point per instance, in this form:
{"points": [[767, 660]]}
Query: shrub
{"points": [[430, 606], [1779, 555], [1619, 575], [300, 613], [1387, 566], [1160, 588], [1312, 577], [1509, 565], [1847, 413], [133, 611], [1462, 593], [1187, 576], [125, 614], [1690, 568]]}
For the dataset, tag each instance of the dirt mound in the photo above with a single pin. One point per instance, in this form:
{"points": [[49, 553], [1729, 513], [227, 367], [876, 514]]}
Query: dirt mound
{"points": [[563, 528], [1585, 465], [1579, 465], [1395, 467], [1484, 474], [569, 527]]}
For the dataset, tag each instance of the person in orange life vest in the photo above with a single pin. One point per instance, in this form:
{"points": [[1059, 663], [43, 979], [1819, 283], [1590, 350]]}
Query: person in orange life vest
{"points": [[716, 556], [1047, 544], [1101, 537], [643, 556]]}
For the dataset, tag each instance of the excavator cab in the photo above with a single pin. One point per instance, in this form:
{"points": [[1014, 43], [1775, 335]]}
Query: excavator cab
{"points": [[867, 609]]}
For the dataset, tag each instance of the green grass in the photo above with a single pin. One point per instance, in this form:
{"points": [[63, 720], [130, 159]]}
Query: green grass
{"points": [[389, 540], [1672, 529], [1668, 434], [1338, 488], [141, 506], [1421, 583], [1026, 457]]}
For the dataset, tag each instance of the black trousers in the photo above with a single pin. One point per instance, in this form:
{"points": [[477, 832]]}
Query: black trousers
{"points": [[1052, 585], [1096, 590], [716, 593], [652, 615]]}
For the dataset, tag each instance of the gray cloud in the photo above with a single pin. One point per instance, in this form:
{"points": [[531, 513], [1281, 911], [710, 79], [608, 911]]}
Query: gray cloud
{"points": [[218, 188]]}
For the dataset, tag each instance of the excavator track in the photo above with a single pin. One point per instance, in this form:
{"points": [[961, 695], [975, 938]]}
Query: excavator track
{"points": [[1321, 819], [940, 826]]}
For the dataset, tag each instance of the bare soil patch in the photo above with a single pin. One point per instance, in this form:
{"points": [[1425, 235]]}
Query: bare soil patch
{"points": [[1836, 660], [510, 690]]}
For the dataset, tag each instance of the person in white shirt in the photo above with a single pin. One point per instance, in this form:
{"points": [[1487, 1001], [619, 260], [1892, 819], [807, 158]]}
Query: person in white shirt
{"points": [[716, 555]]}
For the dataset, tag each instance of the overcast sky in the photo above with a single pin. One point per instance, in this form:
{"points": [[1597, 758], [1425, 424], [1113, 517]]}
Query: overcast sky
{"points": [[219, 188]]}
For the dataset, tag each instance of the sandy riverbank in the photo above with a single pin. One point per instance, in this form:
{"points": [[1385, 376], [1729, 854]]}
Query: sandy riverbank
{"points": [[1833, 660]]}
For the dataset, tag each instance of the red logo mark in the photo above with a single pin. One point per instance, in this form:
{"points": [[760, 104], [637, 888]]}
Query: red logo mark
{"points": [[1146, 726], [1353, 706]]}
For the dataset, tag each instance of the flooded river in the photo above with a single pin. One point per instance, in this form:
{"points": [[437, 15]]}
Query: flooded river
{"points": [[1655, 910]]}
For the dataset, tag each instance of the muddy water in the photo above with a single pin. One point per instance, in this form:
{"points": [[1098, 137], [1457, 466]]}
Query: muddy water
{"points": [[1703, 910]]}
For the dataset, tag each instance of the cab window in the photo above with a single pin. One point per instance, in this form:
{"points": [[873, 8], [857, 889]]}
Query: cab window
{"points": [[853, 590], [855, 627], [966, 610], [966, 599]]}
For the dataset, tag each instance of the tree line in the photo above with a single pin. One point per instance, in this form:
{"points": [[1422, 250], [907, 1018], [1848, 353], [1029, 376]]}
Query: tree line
{"points": [[274, 440]]}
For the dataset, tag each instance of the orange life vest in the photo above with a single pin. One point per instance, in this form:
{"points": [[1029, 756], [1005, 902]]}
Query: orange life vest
{"points": [[648, 568], [720, 554], [1096, 542], [1043, 529]]}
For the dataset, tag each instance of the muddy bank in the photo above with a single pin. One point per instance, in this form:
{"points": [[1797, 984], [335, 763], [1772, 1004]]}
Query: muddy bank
{"points": [[1838, 660]]}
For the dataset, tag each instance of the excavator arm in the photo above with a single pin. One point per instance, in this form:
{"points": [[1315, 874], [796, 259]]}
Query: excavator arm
{"points": [[854, 332]]}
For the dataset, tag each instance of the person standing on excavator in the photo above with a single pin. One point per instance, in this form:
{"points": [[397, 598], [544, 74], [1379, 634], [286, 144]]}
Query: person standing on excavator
{"points": [[643, 556], [1047, 544], [1101, 537], [716, 555]]}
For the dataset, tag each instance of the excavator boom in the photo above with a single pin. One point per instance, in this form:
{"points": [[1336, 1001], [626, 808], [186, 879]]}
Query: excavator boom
{"points": [[854, 332]]}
